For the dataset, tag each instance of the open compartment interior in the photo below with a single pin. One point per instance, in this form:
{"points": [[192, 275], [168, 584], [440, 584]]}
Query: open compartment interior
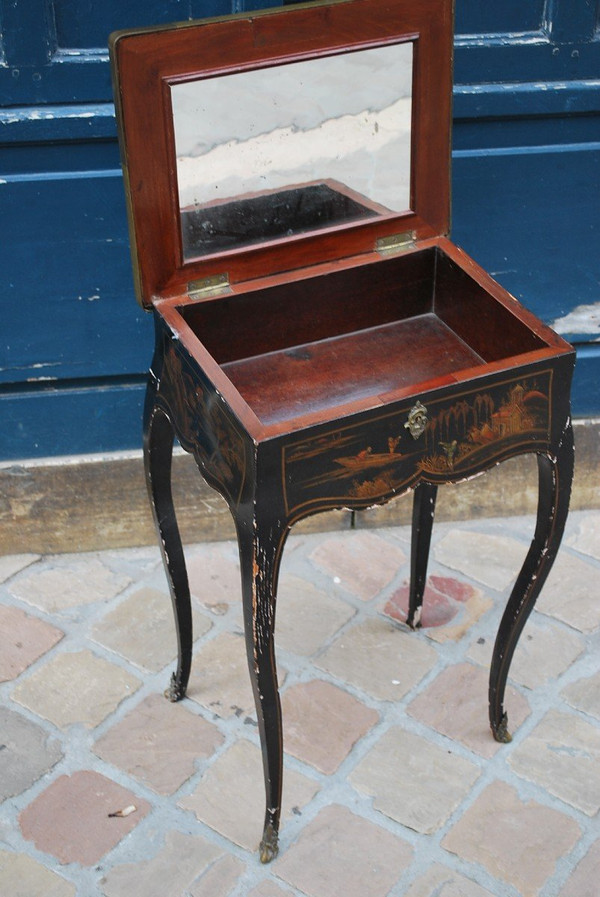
{"points": [[312, 344]]}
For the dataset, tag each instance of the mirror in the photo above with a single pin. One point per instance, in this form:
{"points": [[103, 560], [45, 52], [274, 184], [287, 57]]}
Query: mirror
{"points": [[274, 152]]}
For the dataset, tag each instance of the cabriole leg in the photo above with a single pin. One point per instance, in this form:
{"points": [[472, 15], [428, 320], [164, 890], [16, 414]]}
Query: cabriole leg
{"points": [[158, 450], [555, 477], [260, 545], [424, 498]]}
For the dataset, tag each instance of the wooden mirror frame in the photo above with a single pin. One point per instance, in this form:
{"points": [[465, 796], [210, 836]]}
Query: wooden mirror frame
{"points": [[146, 63]]}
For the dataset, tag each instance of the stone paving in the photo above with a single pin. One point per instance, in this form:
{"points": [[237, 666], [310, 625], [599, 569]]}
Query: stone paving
{"points": [[393, 784]]}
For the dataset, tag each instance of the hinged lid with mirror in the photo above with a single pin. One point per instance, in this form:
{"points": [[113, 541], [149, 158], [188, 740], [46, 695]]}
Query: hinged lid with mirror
{"points": [[264, 143]]}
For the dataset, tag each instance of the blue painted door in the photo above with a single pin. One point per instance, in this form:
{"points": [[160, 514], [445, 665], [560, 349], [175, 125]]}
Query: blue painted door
{"points": [[74, 345], [526, 162]]}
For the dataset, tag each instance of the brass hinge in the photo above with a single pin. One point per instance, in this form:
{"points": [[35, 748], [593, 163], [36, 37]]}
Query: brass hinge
{"points": [[395, 243], [207, 287]]}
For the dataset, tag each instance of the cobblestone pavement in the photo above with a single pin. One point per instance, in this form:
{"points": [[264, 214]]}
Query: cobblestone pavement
{"points": [[393, 784]]}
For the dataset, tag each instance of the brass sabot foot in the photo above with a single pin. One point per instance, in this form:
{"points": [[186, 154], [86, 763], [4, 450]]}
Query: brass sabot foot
{"points": [[174, 692], [500, 731], [269, 845]]}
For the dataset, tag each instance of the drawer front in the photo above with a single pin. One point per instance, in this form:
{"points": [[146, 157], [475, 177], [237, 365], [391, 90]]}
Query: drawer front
{"points": [[440, 440]]}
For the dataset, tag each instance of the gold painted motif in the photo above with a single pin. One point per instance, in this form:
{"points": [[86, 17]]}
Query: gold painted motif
{"points": [[523, 409], [205, 428], [370, 462]]}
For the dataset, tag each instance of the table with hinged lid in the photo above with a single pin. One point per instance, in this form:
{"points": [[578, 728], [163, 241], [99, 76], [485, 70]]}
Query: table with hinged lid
{"points": [[320, 341]]}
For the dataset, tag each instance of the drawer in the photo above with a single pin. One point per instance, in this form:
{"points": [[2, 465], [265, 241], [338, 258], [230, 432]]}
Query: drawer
{"points": [[460, 434]]}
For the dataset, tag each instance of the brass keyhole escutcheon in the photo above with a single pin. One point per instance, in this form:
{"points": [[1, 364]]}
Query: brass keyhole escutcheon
{"points": [[417, 420]]}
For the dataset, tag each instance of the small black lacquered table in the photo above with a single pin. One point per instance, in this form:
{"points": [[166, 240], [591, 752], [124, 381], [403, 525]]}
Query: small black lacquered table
{"points": [[320, 342], [428, 436]]}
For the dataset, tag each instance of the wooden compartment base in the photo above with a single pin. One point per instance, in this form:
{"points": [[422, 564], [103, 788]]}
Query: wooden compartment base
{"points": [[314, 376]]}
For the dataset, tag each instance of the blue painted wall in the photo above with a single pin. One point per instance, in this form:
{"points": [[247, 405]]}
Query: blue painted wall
{"points": [[75, 347]]}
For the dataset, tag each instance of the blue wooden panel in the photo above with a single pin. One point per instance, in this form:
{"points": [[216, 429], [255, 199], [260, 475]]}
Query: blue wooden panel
{"points": [[530, 216], [526, 133], [511, 41], [586, 381], [55, 51], [69, 78], [568, 22], [68, 305], [28, 36], [71, 420], [531, 60], [559, 20], [87, 24], [511, 16], [488, 102]]}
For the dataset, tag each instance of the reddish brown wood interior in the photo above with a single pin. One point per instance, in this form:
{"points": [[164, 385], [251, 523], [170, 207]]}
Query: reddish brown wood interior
{"points": [[315, 343]]}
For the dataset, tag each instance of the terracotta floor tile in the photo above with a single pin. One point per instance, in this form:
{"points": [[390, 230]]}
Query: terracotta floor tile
{"points": [[230, 797], [413, 781], [221, 879], [159, 743], [361, 562], [543, 653], [27, 752], [142, 629], [570, 593], [518, 842], [307, 617], [22, 876], [68, 582], [341, 853], [269, 889], [70, 819], [450, 607], [456, 704], [24, 640], [76, 687], [586, 538], [584, 694], [491, 560], [170, 873], [379, 658], [440, 881], [562, 754], [214, 575], [321, 723], [220, 680], [353, 672], [583, 881], [14, 563]]}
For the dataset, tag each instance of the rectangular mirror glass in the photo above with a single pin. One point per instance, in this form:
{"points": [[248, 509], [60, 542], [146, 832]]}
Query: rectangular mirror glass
{"points": [[275, 152]]}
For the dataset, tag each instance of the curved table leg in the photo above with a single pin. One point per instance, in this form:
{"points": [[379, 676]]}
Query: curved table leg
{"points": [[158, 451], [424, 498], [555, 477], [260, 545]]}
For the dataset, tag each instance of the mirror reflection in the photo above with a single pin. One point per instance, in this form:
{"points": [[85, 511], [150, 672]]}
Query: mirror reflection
{"points": [[279, 151]]}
